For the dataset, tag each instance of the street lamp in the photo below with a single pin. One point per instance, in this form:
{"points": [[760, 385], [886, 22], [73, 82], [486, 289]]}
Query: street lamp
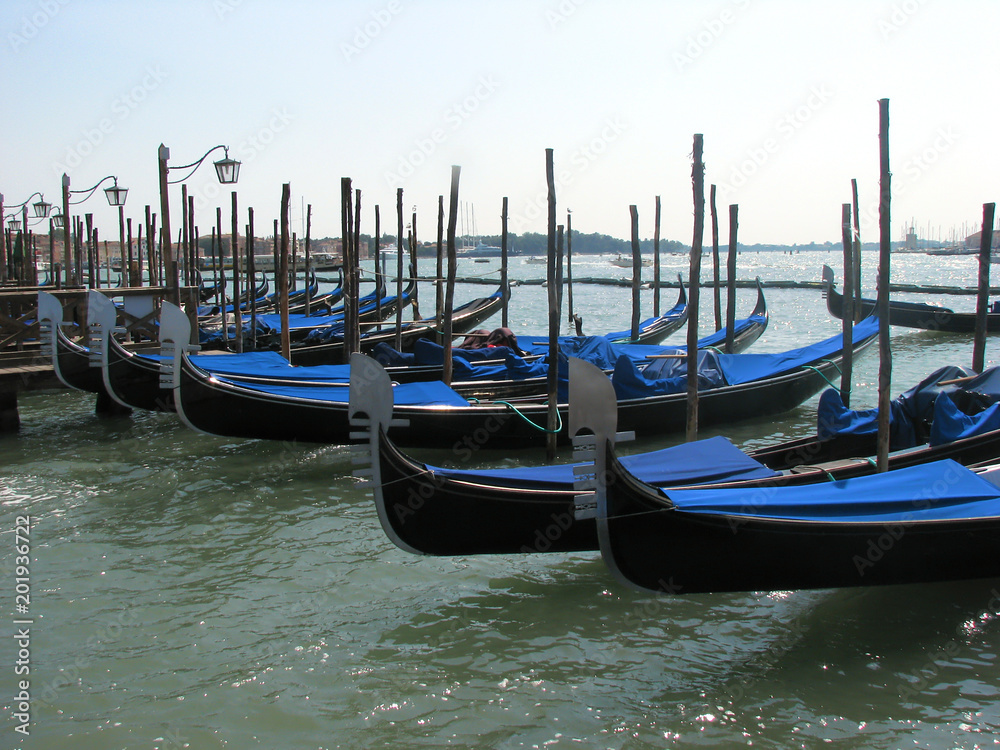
{"points": [[115, 194], [227, 170], [116, 197]]}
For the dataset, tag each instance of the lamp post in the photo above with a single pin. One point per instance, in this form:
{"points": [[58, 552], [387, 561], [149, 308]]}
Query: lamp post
{"points": [[41, 209], [116, 196], [228, 172]]}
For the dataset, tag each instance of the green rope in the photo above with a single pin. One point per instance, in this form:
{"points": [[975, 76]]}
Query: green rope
{"points": [[834, 364], [820, 373], [537, 427]]}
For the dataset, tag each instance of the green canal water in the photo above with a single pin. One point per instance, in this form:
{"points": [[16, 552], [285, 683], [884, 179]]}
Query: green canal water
{"points": [[189, 591]]}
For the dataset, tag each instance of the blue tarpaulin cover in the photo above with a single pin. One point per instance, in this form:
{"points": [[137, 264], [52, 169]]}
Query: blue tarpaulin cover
{"points": [[951, 423], [702, 461], [833, 418], [936, 491], [665, 376], [910, 412], [431, 393], [743, 368]]}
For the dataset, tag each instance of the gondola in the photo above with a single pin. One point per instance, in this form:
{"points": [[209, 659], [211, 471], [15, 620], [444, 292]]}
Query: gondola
{"points": [[464, 319], [133, 379], [209, 313], [937, 521], [910, 314], [746, 330], [430, 509], [70, 361], [758, 385], [656, 329]]}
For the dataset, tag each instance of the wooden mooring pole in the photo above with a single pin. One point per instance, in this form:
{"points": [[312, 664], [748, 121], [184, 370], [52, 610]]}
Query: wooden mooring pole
{"points": [[885, 247], [449, 290], [698, 188], [734, 225], [286, 339], [982, 298], [399, 270], [569, 265], [847, 315], [237, 310], [552, 381], [656, 260], [715, 259], [636, 272]]}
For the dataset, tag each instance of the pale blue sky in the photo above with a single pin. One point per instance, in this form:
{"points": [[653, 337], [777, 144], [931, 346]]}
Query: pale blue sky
{"points": [[392, 93]]}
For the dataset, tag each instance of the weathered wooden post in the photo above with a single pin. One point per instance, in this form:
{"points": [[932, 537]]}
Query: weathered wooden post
{"points": [[982, 299], [414, 270], [504, 322], [183, 245], [251, 274], [378, 269], [885, 246], [552, 381], [309, 211], [67, 228], [569, 264], [715, 259], [350, 269], [237, 296], [91, 259], [656, 260], [449, 292], [439, 268], [857, 252], [636, 273], [399, 269], [698, 188], [734, 224], [847, 314], [166, 250], [286, 339], [217, 239]]}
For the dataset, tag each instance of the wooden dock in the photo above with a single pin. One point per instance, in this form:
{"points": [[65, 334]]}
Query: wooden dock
{"points": [[24, 368]]}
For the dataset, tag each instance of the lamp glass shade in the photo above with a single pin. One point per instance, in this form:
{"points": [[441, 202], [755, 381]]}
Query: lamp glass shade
{"points": [[58, 221], [42, 209], [14, 225], [228, 170], [116, 195]]}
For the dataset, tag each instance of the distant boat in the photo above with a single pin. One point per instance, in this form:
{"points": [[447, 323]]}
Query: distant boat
{"points": [[481, 251], [622, 262]]}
